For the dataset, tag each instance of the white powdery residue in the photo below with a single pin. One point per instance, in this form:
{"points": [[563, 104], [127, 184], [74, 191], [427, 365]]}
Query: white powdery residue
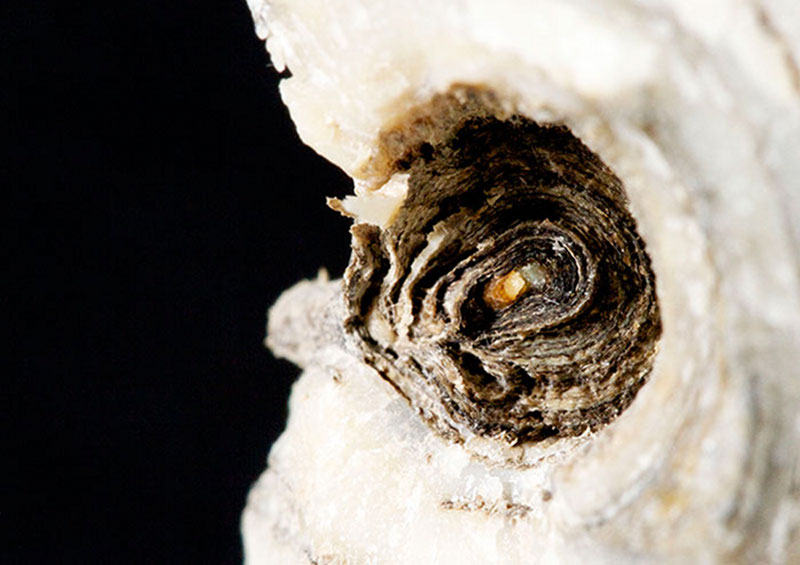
{"points": [[577, 48], [377, 207]]}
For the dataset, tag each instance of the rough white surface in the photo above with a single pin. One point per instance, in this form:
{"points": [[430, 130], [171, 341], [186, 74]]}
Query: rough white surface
{"points": [[696, 106]]}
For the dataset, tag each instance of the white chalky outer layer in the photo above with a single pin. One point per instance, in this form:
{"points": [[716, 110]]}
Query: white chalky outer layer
{"points": [[696, 107]]}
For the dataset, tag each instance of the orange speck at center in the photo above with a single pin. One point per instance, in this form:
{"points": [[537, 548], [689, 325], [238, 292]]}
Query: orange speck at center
{"points": [[504, 291]]}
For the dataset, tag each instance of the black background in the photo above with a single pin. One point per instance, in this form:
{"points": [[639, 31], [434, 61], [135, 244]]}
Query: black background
{"points": [[160, 202]]}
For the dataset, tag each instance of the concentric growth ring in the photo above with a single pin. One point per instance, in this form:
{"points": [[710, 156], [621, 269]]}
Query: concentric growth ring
{"points": [[510, 296]]}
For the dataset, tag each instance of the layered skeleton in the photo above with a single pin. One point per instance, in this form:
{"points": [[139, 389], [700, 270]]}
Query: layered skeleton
{"points": [[574, 339]]}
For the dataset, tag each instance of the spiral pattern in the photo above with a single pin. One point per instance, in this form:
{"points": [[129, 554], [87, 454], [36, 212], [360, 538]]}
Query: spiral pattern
{"points": [[511, 296]]}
